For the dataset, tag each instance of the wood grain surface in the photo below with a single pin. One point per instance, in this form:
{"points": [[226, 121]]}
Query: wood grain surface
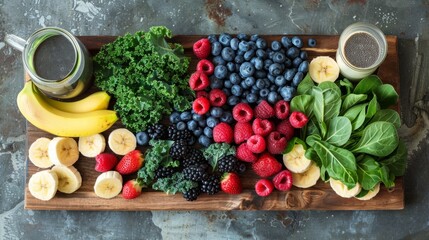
{"points": [[319, 197]]}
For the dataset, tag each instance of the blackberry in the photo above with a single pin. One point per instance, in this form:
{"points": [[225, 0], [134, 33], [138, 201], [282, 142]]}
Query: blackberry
{"points": [[211, 185], [175, 134], [195, 172], [192, 194], [228, 164], [241, 167], [164, 172], [179, 150], [157, 131], [195, 156]]}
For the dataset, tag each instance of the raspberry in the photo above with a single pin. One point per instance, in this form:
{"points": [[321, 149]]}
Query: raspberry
{"points": [[199, 81], [201, 105], [242, 132], [205, 66], [242, 112], [256, 144], [282, 109], [202, 94], [285, 128], [217, 97], [276, 143], [266, 166], [298, 119], [264, 110], [264, 187], [202, 48], [244, 154], [223, 133], [262, 127], [283, 180]]}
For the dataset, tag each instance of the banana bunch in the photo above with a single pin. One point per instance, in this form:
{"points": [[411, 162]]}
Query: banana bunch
{"points": [[66, 119]]}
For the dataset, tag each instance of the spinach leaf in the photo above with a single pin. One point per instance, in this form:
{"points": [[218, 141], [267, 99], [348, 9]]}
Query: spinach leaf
{"points": [[368, 171], [311, 128], [302, 103], [310, 140], [339, 131], [387, 115], [387, 177], [378, 139], [367, 84], [305, 85], [373, 107], [330, 86], [362, 193], [347, 84], [332, 102], [318, 104], [397, 161], [356, 115], [352, 99], [387, 95], [291, 144]]}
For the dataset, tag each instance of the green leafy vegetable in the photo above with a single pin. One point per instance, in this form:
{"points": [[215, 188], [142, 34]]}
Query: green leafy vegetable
{"points": [[174, 184], [378, 139], [339, 131], [368, 171], [386, 94], [367, 84], [396, 162], [387, 115], [351, 100], [217, 151]]}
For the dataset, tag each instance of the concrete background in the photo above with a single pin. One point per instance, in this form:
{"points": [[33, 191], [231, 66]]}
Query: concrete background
{"points": [[407, 19]]}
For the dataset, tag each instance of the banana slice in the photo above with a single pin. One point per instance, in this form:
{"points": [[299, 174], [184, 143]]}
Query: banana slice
{"points": [[43, 185], [38, 153], [121, 141], [91, 146], [371, 193], [295, 160], [108, 184], [63, 151], [324, 68], [308, 178], [69, 178], [342, 190]]}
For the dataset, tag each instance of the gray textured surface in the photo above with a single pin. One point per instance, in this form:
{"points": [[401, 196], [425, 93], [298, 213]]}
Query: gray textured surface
{"points": [[407, 19]]}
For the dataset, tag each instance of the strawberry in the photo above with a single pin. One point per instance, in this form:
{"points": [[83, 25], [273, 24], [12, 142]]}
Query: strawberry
{"points": [[130, 163], [242, 112], [244, 154], [242, 132], [298, 119], [230, 183], [264, 110], [276, 143], [266, 166], [105, 162], [282, 108], [262, 127], [205, 66], [202, 48], [201, 105], [285, 128], [217, 97], [223, 133], [256, 144], [198, 81], [264, 187], [283, 180], [131, 189]]}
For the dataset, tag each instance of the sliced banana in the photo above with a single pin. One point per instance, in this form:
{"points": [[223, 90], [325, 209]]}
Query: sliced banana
{"points": [[342, 189], [308, 178], [69, 178], [43, 185], [63, 151], [371, 193], [91, 146], [121, 141], [324, 68], [38, 153], [295, 160], [108, 184]]}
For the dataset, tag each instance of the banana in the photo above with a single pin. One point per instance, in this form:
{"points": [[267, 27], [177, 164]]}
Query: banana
{"points": [[43, 185], [60, 123], [69, 178], [295, 160], [63, 151], [108, 184], [324, 68], [96, 101], [371, 193], [308, 178], [38, 153], [121, 141], [91, 146], [342, 190]]}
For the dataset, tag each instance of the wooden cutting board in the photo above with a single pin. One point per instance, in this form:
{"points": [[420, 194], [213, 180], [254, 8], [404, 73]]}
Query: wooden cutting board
{"points": [[319, 197]]}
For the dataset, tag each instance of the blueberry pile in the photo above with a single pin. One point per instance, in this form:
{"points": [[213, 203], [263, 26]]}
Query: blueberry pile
{"points": [[250, 70]]}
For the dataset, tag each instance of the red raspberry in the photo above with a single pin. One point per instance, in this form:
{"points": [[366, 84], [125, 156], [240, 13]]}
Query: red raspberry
{"points": [[262, 127], [298, 119], [256, 144], [283, 180], [242, 112], [264, 110], [264, 187], [201, 105], [199, 81], [276, 143], [202, 94], [223, 133], [244, 154], [205, 66], [282, 109], [202, 48], [242, 132], [217, 97], [266, 166], [285, 128]]}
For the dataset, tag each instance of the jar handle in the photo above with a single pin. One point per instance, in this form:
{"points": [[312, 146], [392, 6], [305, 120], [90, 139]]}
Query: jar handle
{"points": [[15, 42]]}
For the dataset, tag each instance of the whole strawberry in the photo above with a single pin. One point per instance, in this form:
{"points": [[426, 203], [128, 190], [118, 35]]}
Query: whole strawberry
{"points": [[131, 189], [283, 180], [230, 183], [105, 162], [266, 166], [130, 163]]}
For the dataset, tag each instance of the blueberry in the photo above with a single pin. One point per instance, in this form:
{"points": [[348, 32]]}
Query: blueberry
{"points": [[244, 85], [224, 39], [287, 92], [289, 73], [220, 71], [234, 43], [249, 55], [227, 91], [142, 138], [297, 78], [212, 122], [287, 62], [303, 67], [234, 78], [312, 42], [204, 140], [175, 117], [240, 52], [286, 42], [215, 82], [242, 36], [271, 78], [230, 66], [260, 83], [275, 45], [258, 63], [297, 42], [228, 54], [296, 62], [252, 97], [250, 81], [191, 141], [233, 100], [292, 52], [212, 38], [192, 125], [273, 97], [218, 60], [239, 59], [236, 90], [216, 48], [208, 132], [263, 93], [260, 74], [247, 69], [227, 117], [197, 117], [267, 64], [275, 69], [254, 37], [271, 54], [181, 125], [303, 55], [279, 57], [243, 46], [216, 112], [280, 81], [261, 43], [252, 45], [186, 116], [255, 91], [202, 123], [197, 132], [227, 84]]}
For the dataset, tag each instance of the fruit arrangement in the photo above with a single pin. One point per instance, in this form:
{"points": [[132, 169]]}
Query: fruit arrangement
{"points": [[249, 105]]}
